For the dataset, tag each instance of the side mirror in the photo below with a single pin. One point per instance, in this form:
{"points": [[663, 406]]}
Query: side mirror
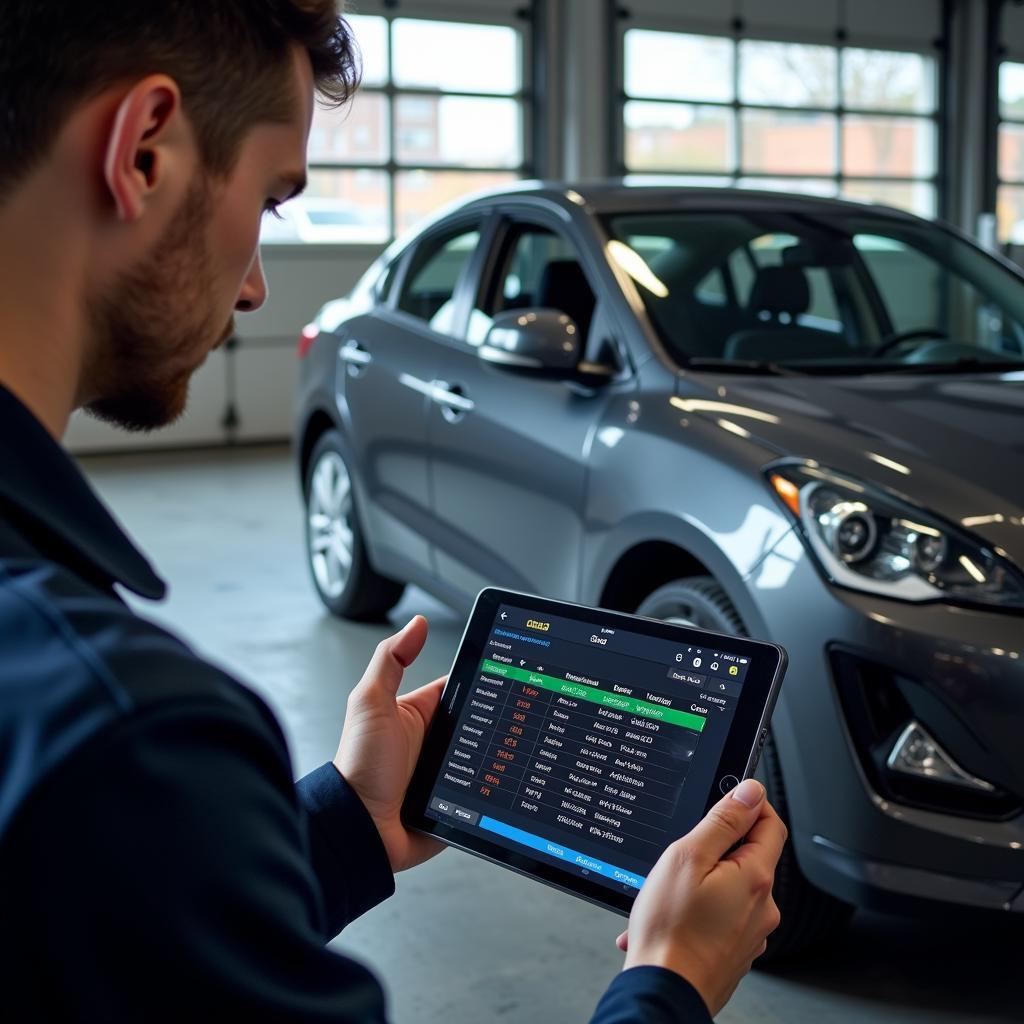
{"points": [[540, 342]]}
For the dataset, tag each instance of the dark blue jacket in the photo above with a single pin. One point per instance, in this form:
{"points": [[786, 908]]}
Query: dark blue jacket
{"points": [[157, 862]]}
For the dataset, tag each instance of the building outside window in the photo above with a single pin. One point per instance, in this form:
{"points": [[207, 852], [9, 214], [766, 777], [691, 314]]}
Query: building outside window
{"points": [[441, 112], [828, 120]]}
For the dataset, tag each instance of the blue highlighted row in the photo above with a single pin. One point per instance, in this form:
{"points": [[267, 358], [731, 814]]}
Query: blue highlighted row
{"points": [[524, 639], [562, 852]]}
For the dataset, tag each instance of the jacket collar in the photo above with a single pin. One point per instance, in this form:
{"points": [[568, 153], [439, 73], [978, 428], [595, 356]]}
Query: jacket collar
{"points": [[46, 496]]}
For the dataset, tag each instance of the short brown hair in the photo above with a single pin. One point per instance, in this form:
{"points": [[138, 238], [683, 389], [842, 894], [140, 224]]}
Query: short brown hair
{"points": [[230, 58]]}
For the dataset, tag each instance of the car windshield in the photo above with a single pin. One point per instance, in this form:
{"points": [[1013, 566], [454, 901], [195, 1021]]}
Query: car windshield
{"points": [[836, 292]]}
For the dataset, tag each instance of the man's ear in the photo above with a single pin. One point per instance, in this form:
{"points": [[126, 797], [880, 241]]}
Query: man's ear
{"points": [[147, 125]]}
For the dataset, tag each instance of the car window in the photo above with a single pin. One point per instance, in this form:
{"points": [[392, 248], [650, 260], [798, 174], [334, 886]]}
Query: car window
{"points": [[429, 289], [819, 289], [537, 269]]}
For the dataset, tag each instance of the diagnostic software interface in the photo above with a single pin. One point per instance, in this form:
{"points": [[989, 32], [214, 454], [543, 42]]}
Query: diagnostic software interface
{"points": [[591, 748]]}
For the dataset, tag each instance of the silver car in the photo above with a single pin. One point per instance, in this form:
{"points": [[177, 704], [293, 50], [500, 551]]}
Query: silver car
{"points": [[795, 418]]}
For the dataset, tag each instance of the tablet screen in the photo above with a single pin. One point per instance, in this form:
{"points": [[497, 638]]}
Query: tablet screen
{"points": [[589, 747]]}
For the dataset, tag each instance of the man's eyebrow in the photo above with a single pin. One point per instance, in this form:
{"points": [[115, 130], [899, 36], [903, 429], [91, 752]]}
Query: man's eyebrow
{"points": [[298, 182]]}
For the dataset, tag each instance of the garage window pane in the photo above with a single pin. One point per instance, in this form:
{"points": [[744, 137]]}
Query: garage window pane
{"points": [[883, 80], [787, 74], [337, 206], [778, 142], [1011, 90], [808, 186], [915, 196], [419, 193], [678, 136], [464, 130], [372, 39], [1010, 214], [357, 133], [889, 146], [1011, 152], [672, 65], [455, 57]]}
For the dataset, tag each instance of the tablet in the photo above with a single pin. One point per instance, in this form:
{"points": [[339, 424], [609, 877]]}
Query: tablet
{"points": [[574, 744]]}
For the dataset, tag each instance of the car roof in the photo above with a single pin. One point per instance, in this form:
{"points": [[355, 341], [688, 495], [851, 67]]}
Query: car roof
{"points": [[618, 196]]}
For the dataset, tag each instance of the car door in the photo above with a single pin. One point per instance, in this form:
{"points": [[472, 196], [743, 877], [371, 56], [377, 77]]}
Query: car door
{"points": [[510, 451], [387, 362]]}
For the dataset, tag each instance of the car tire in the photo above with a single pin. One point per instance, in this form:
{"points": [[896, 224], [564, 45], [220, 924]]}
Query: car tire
{"points": [[810, 917], [345, 581]]}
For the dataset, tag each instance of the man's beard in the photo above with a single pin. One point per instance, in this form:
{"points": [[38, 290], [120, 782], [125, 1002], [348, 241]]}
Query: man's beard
{"points": [[150, 330]]}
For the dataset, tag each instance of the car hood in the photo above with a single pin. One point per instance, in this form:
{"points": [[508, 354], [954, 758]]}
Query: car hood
{"points": [[953, 445]]}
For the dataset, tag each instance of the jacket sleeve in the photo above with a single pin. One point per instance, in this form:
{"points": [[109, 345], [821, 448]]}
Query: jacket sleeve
{"points": [[650, 995], [177, 881], [346, 852]]}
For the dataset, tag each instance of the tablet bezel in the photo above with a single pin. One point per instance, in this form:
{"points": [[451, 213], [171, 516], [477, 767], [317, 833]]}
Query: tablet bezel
{"points": [[739, 757]]}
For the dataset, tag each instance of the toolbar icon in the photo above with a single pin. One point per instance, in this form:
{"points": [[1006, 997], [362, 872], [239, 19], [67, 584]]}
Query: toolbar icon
{"points": [[734, 670], [697, 662]]}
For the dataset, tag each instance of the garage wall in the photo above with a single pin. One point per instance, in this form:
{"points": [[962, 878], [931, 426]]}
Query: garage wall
{"points": [[246, 395]]}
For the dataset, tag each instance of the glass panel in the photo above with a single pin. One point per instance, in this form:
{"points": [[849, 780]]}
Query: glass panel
{"points": [[782, 143], [787, 74], [540, 269], [916, 196], [338, 206], [372, 38], [1011, 152], [786, 308], [429, 290], [462, 130], [805, 186], [678, 136], [899, 146], [673, 66], [683, 180], [357, 133], [1010, 214], [455, 56], [421, 193], [1011, 90], [883, 80]]}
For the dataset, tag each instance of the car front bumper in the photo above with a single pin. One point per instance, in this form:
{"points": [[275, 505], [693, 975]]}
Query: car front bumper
{"points": [[965, 671]]}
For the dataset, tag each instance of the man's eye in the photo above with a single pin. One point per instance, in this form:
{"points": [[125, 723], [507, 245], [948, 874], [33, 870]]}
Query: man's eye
{"points": [[271, 207]]}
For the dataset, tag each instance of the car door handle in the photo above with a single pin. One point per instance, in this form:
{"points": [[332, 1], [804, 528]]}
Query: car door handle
{"points": [[450, 396], [424, 387], [354, 354]]}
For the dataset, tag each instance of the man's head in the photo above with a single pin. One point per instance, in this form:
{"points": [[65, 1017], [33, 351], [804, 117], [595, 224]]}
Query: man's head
{"points": [[162, 131]]}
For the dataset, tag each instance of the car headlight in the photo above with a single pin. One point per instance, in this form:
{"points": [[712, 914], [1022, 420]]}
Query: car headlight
{"points": [[869, 540]]}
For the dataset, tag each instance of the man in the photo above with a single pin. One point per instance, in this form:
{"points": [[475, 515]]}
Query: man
{"points": [[156, 860]]}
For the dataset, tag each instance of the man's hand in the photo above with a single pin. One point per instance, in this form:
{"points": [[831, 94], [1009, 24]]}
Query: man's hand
{"points": [[703, 912], [382, 738]]}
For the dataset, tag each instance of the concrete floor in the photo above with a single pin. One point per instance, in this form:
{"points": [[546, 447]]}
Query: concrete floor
{"points": [[462, 941]]}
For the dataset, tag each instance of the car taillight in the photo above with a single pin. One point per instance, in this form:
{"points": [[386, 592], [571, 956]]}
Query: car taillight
{"points": [[306, 338]]}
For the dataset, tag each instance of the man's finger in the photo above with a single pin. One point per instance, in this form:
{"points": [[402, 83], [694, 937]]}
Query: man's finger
{"points": [[393, 656], [726, 823], [623, 941], [764, 841], [425, 699]]}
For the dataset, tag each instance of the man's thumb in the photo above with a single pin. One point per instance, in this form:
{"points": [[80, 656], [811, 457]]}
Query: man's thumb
{"points": [[726, 823]]}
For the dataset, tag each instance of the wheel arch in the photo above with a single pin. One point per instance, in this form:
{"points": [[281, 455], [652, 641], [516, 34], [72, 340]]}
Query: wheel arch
{"points": [[317, 424], [653, 551]]}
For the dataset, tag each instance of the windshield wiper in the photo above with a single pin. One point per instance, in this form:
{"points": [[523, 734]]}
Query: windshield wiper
{"points": [[752, 366], [965, 364]]}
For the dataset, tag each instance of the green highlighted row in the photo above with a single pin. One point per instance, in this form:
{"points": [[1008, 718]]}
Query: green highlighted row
{"points": [[630, 705]]}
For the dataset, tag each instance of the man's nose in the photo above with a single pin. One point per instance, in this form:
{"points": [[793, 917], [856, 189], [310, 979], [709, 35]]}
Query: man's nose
{"points": [[254, 288]]}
